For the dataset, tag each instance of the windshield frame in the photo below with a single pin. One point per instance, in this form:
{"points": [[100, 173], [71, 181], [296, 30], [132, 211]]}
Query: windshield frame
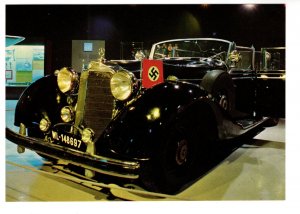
{"points": [[230, 46]]}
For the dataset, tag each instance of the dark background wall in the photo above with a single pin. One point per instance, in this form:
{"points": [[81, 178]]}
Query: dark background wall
{"points": [[57, 25]]}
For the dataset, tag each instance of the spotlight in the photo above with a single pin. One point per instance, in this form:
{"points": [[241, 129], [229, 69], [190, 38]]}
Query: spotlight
{"points": [[249, 6]]}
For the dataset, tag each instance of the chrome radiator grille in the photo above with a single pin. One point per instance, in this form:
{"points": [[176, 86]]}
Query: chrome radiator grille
{"points": [[95, 101]]}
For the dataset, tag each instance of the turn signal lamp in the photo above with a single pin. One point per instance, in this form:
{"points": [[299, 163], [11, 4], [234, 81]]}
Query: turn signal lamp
{"points": [[67, 114], [87, 135], [44, 125]]}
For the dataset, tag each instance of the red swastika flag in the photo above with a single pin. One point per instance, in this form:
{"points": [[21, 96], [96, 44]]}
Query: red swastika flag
{"points": [[152, 73]]}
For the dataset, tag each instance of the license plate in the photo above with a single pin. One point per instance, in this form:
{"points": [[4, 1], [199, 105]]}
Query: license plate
{"points": [[68, 140]]}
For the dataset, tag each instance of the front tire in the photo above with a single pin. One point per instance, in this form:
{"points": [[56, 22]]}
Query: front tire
{"points": [[178, 161], [183, 154]]}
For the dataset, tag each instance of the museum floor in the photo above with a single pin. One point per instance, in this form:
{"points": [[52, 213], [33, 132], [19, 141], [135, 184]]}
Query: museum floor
{"points": [[254, 171]]}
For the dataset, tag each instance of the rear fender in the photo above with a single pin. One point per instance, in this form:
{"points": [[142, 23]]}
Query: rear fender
{"points": [[41, 98]]}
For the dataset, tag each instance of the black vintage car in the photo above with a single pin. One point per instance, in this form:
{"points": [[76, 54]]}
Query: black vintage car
{"points": [[155, 121]]}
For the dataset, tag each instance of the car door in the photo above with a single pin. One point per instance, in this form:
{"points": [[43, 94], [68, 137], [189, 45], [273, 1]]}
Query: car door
{"points": [[241, 69], [271, 82]]}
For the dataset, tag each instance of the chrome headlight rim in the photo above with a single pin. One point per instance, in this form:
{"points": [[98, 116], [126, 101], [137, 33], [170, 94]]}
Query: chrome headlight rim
{"points": [[67, 80], [122, 85]]}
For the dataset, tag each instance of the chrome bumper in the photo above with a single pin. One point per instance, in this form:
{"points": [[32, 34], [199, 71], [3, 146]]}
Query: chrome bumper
{"points": [[103, 165]]}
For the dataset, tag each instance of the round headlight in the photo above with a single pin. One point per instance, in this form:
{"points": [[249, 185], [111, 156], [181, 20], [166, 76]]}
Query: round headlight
{"points": [[67, 114], [121, 85], [67, 80]]}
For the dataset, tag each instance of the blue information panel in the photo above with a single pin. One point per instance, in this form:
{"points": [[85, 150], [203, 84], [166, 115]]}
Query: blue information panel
{"points": [[24, 64]]}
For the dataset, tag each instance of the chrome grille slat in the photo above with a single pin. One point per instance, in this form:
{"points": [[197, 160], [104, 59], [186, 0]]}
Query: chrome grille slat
{"points": [[98, 115], [98, 101]]}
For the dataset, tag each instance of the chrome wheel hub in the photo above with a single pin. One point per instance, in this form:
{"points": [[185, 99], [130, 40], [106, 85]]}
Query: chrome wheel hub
{"points": [[224, 102], [181, 152]]}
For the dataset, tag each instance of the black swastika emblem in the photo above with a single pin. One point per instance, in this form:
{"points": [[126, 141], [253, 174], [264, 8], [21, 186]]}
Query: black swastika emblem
{"points": [[153, 73]]}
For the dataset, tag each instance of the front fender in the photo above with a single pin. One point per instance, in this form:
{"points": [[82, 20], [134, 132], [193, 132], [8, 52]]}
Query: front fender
{"points": [[137, 129], [40, 98]]}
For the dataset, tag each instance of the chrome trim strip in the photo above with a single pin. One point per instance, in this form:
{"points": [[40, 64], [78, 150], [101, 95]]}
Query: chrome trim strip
{"points": [[273, 48], [270, 71], [81, 98], [237, 78], [272, 78]]}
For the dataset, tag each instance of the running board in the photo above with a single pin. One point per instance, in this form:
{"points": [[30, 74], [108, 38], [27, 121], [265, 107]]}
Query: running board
{"points": [[246, 123], [231, 129]]}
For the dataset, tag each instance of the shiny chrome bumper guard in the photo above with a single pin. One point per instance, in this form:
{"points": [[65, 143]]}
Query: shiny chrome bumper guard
{"points": [[103, 165]]}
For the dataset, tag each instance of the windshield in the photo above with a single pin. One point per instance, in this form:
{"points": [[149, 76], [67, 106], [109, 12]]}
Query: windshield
{"points": [[191, 48], [273, 59]]}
